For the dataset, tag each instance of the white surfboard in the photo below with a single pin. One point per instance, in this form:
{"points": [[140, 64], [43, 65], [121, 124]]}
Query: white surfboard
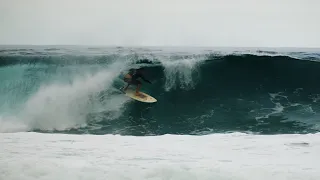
{"points": [[144, 98]]}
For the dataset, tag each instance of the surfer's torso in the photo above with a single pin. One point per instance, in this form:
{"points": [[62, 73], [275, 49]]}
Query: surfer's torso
{"points": [[133, 75]]}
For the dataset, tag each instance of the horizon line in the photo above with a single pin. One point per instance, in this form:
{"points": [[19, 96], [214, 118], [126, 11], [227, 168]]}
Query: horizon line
{"points": [[162, 46]]}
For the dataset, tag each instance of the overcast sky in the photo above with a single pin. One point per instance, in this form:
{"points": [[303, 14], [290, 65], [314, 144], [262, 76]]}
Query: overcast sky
{"points": [[271, 23]]}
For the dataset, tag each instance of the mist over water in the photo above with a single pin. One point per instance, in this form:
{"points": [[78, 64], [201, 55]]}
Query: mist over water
{"points": [[58, 103]]}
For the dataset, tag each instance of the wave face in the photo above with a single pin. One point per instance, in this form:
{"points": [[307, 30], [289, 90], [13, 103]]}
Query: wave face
{"points": [[199, 91]]}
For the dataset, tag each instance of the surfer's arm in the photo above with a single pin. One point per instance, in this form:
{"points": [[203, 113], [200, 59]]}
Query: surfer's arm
{"points": [[146, 80]]}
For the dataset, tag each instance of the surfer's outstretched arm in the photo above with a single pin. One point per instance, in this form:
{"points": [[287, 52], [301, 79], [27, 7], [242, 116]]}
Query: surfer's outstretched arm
{"points": [[146, 80]]}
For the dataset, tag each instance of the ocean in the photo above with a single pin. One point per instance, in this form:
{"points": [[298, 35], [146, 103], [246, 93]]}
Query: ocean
{"points": [[222, 113]]}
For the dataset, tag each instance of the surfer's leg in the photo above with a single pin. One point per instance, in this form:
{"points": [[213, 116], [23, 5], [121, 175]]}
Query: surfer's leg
{"points": [[126, 87], [138, 83], [127, 80], [138, 89]]}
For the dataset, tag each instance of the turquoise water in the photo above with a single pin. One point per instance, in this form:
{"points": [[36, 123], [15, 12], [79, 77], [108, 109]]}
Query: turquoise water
{"points": [[199, 90]]}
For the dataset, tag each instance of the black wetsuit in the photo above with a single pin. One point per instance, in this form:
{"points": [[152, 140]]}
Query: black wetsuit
{"points": [[135, 75]]}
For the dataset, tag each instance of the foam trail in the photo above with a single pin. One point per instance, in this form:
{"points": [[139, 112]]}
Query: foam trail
{"points": [[220, 156], [62, 106]]}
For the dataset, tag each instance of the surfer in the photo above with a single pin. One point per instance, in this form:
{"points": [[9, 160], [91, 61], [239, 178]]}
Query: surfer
{"points": [[131, 78]]}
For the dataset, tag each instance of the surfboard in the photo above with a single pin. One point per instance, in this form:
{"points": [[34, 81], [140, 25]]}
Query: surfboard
{"points": [[146, 97]]}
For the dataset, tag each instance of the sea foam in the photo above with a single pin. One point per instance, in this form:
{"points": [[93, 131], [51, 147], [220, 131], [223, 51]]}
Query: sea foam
{"points": [[233, 156]]}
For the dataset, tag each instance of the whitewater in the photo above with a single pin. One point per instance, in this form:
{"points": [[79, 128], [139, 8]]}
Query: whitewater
{"points": [[225, 113], [220, 156]]}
